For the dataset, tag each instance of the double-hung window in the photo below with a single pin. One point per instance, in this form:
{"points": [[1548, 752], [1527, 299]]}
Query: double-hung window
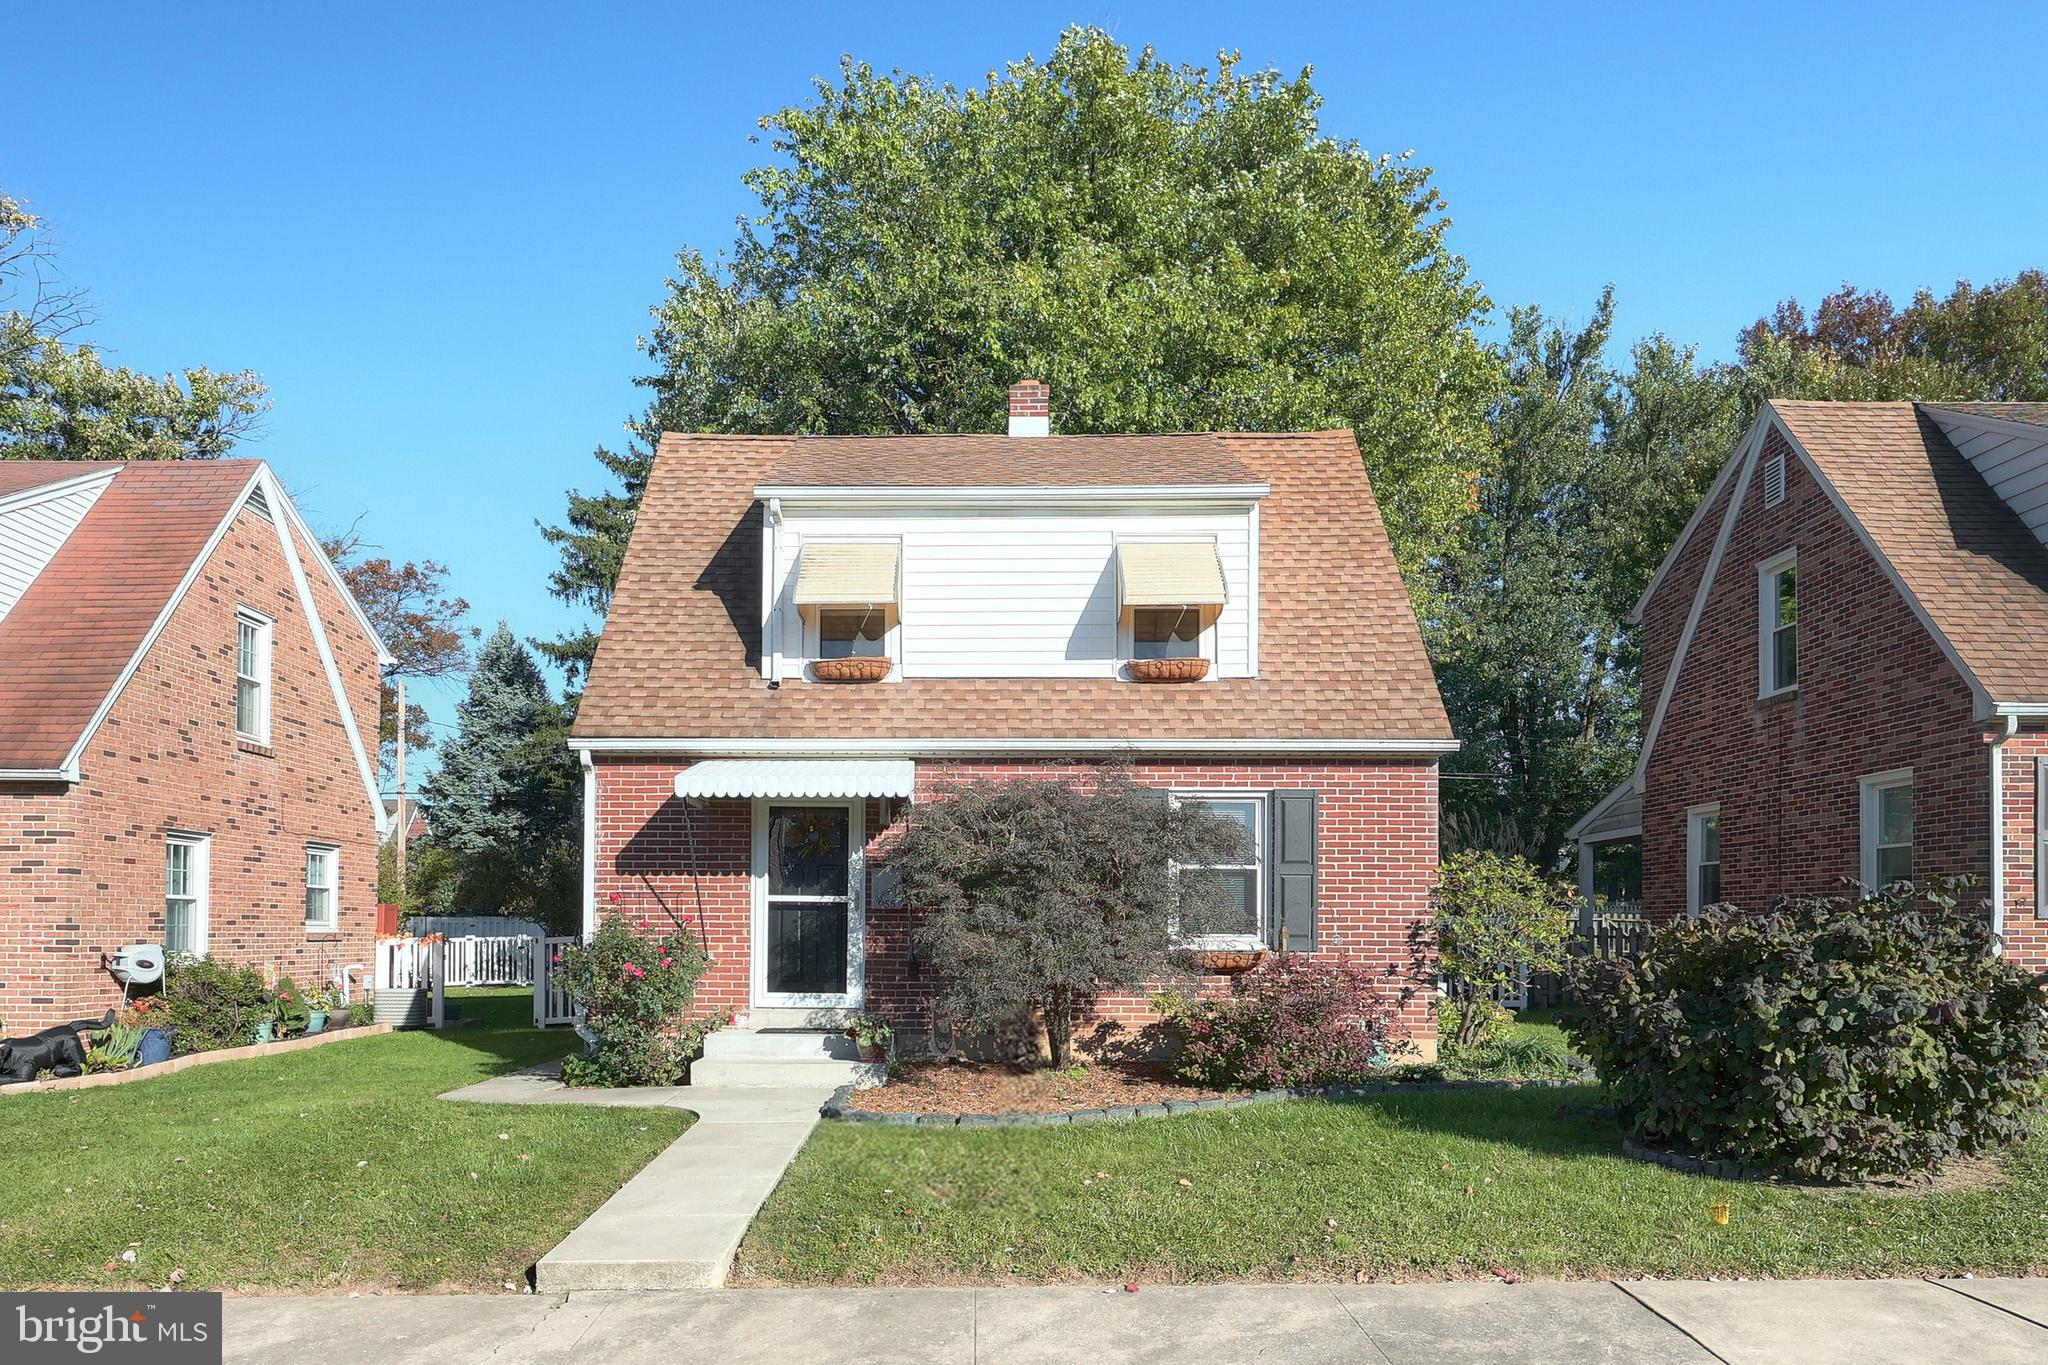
{"points": [[1888, 828], [1702, 858], [252, 677], [322, 885], [185, 878], [1240, 918], [1778, 624]]}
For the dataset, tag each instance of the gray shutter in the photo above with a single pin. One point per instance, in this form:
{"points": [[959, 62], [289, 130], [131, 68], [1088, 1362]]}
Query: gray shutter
{"points": [[1291, 870]]}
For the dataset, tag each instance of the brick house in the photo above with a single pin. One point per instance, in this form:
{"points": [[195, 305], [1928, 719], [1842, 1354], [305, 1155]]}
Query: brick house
{"points": [[188, 709], [1845, 666], [1007, 591]]}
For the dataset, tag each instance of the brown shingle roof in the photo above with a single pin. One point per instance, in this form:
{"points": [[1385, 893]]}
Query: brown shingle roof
{"points": [[2034, 413], [18, 476], [1340, 656], [1001, 461], [1979, 573], [64, 644]]}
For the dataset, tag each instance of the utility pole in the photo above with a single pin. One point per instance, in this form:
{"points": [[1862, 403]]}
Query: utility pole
{"points": [[398, 854]]}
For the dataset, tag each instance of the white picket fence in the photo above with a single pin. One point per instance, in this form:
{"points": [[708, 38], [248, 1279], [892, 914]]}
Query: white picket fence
{"points": [[551, 1004], [471, 960]]}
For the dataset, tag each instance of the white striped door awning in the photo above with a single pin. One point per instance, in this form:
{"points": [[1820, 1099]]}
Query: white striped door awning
{"points": [[841, 573], [797, 777], [1183, 573]]}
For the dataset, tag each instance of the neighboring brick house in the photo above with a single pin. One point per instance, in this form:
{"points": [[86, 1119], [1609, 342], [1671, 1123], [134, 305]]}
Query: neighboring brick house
{"points": [[1845, 666], [188, 715], [1009, 586]]}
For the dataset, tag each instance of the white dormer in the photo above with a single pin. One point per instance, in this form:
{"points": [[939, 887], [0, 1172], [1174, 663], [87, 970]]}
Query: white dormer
{"points": [[1067, 576]]}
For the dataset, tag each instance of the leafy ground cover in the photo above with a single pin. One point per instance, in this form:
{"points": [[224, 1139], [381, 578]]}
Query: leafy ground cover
{"points": [[1424, 1186], [328, 1169]]}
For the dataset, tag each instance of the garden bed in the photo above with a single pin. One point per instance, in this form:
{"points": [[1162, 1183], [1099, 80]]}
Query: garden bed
{"points": [[94, 1079]]}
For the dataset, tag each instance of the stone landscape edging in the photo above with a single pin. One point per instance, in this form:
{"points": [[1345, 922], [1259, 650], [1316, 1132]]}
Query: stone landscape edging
{"points": [[191, 1059], [837, 1107]]}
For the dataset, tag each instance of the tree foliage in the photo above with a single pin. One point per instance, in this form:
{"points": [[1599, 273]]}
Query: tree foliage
{"points": [[423, 625], [61, 401], [1036, 894], [506, 799], [1496, 918], [1172, 248]]}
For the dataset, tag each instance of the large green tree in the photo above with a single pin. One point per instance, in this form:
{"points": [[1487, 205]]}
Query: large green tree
{"points": [[505, 800], [60, 400], [1170, 247]]}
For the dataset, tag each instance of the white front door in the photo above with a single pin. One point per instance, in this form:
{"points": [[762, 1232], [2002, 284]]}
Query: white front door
{"points": [[808, 907]]}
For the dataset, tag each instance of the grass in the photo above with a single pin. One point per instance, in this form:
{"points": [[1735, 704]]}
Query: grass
{"points": [[1541, 1024], [328, 1169], [1426, 1186]]}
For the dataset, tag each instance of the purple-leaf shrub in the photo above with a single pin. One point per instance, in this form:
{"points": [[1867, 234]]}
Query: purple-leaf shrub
{"points": [[1290, 1021]]}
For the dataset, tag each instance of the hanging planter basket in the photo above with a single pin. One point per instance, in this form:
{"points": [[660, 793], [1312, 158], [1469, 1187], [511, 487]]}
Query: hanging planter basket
{"points": [[1169, 670], [867, 668], [1227, 962]]}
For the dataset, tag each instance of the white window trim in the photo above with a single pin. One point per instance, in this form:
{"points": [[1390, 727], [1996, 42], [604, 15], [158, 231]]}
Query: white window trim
{"points": [[1766, 624], [1869, 788], [265, 629], [1261, 836], [1695, 822], [333, 888], [200, 866]]}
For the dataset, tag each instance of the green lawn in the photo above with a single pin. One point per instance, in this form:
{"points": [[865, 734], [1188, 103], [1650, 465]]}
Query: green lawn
{"points": [[323, 1170], [1421, 1186], [1540, 1024]]}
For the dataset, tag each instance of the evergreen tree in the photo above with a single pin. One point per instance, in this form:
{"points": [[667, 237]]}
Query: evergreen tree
{"points": [[505, 799]]}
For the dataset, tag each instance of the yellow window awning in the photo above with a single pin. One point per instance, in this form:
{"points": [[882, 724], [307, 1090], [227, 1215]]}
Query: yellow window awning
{"points": [[837, 573], [1170, 574]]}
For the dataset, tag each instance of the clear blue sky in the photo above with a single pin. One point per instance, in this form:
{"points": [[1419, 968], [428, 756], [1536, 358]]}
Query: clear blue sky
{"points": [[436, 229]]}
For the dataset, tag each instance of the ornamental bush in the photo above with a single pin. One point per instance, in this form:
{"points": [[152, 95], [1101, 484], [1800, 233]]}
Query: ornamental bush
{"points": [[1831, 1038], [213, 1004], [1290, 1021], [635, 990]]}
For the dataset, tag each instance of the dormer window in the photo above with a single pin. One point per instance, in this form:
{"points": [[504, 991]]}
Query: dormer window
{"points": [[852, 632], [1166, 633], [847, 591], [1169, 593]]}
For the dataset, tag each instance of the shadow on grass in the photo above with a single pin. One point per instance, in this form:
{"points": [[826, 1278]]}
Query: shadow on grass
{"points": [[504, 1030], [1550, 1122]]}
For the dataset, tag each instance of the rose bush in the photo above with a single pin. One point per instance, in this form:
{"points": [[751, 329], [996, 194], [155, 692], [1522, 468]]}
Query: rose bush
{"points": [[635, 990]]}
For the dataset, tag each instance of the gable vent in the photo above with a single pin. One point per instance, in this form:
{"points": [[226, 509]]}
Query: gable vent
{"points": [[257, 503], [1774, 481]]}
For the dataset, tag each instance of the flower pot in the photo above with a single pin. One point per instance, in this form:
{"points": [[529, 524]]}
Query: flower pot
{"points": [[316, 1021], [873, 1052], [867, 668], [1169, 670], [155, 1047], [265, 1031], [1228, 962]]}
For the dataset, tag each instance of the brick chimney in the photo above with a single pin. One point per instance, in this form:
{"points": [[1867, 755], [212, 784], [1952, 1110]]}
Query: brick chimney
{"points": [[1030, 408]]}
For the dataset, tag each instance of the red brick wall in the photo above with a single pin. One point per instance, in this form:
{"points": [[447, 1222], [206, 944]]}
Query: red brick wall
{"points": [[81, 870], [1377, 856], [2026, 920], [1876, 693]]}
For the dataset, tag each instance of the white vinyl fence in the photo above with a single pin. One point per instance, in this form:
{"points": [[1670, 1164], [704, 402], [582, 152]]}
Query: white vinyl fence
{"points": [[551, 1004], [480, 926], [471, 960]]}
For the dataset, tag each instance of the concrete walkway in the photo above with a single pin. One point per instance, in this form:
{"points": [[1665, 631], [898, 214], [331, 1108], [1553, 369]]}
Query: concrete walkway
{"points": [[1790, 1322], [678, 1222]]}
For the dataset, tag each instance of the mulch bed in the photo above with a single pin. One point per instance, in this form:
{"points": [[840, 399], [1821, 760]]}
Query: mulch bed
{"points": [[996, 1088]]}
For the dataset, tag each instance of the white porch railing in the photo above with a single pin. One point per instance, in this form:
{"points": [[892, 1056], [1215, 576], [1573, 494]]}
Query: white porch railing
{"points": [[551, 1004]]}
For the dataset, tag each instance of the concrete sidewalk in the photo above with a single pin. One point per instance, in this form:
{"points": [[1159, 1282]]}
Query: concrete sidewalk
{"points": [[678, 1222], [1787, 1322]]}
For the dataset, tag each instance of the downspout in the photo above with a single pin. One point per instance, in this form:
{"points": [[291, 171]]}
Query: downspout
{"points": [[589, 846], [2012, 726]]}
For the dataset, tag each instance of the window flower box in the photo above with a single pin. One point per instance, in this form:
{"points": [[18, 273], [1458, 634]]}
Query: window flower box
{"points": [[861, 668], [1226, 961], [1169, 670]]}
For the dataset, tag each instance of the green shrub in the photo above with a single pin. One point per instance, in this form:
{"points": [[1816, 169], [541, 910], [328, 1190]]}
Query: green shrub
{"points": [[1495, 1020], [635, 990], [1507, 1058], [1831, 1038], [213, 1004], [1496, 918], [362, 1010]]}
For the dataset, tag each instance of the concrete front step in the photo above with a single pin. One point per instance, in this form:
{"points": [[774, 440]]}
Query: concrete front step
{"points": [[779, 1045], [754, 1072], [780, 1017]]}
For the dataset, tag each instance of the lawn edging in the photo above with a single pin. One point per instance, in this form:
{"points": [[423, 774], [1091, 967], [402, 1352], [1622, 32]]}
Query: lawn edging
{"points": [[191, 1059], [839, 1106]]}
